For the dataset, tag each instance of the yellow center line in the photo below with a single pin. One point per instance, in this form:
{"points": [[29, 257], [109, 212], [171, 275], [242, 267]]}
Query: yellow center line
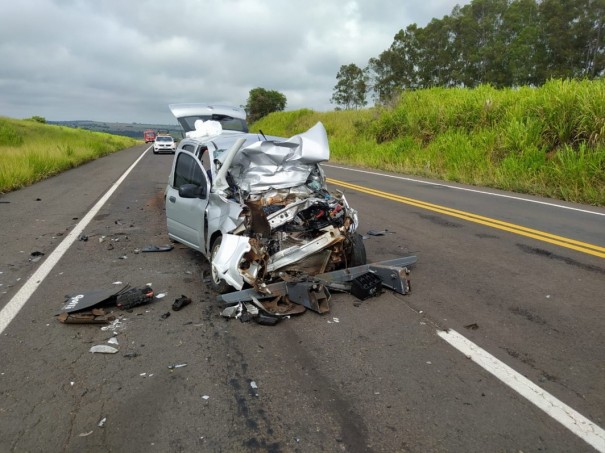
{"points": [[583, 247]]}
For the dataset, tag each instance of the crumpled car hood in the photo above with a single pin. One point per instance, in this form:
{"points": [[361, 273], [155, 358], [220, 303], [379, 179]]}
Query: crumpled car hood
{"points": [[265, 165]]}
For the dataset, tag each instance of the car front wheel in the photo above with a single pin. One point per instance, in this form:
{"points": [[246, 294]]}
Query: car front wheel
{"points": [[218, 284], [356, 251]]}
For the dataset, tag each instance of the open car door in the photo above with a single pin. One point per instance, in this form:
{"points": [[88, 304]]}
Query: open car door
{"points": [[186, 201]]}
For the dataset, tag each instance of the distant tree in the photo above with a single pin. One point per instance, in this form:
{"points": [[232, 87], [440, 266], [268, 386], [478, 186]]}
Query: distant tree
{"points": [[261, 102], [351, 88], [394, 70], [38, 119]]}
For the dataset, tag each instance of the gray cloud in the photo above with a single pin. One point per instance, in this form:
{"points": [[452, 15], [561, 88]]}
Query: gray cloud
{"points": [[125, 61]]}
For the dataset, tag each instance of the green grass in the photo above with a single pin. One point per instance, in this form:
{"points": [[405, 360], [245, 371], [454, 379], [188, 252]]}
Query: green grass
{"points": [[31, 151], [547, 141]]}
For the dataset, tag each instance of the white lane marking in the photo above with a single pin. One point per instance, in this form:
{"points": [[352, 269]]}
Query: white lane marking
{"points": [[12, 308], [572, 420], [483, 192]]}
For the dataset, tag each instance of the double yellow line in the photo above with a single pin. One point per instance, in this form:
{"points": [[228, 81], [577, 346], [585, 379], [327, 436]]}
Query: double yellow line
{"points": [[583, 247]]}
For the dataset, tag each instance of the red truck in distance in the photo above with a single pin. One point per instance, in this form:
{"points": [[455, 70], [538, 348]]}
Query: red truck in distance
{"points": [[149, 135]]}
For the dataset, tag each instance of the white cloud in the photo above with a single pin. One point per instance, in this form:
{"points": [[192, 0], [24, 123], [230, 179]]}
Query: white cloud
{"points": [[126, 61]]}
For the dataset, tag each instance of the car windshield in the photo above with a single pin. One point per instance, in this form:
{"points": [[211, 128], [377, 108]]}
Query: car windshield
{"points": [[163, 139], [227, 122]]}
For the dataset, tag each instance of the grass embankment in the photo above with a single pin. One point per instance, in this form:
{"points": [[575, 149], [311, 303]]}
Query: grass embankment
{"points": [[31, 151], [547, 141]]}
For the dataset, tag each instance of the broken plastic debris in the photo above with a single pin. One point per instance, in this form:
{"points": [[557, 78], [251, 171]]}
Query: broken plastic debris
{"points": [[165, 315], [83, 238], [113, 340], [102, 422], [253, 385], [179, 365], [159, 296], [116, 324], [103, 349], [205, 397], [180, 302], [85, 434], [473, 326], [117, 283]]}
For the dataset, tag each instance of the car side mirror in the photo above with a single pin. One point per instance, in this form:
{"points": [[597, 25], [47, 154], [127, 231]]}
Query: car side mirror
{"points": [[192, 191]]}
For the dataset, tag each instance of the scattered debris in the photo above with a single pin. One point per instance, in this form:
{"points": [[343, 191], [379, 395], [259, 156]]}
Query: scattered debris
{"points": [[157, 248], [102, 422], [89, 299], [179, 365], [123, 257], [366, 285], [161, 295], [83, 238], [181, 302], [113, 340], [36, 256], [85, 434], [473, 326], [377, 233], [134, 297], [103, 349], [253, 385], [94, 316], [205, 397], [313, 292], [131, 355], [165, 315]]}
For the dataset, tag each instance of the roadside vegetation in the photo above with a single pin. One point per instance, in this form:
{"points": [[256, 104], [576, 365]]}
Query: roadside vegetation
{"points": [[547, 141], [31, 150]]}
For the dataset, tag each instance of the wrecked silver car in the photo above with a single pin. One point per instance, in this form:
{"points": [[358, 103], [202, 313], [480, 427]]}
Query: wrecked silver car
{"points": [[256, 206]]}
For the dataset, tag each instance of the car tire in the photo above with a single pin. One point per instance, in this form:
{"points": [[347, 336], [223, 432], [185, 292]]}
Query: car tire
{"points": [[356, 255], [218, 284]]}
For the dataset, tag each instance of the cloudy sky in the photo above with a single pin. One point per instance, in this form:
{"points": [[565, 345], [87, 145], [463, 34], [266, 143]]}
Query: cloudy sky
{"points": [[125, 61]]}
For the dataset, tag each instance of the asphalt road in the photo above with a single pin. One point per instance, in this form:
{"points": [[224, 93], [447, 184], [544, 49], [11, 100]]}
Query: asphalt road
{"points": [[377, 375]]}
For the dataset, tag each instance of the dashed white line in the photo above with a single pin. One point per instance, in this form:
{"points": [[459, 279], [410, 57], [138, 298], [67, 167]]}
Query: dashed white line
{"points": [[568, 417], [14, 306], [483, 192]]}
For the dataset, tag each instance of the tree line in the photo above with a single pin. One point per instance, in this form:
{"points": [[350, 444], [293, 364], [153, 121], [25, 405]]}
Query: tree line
{"points": [[504, 43]]}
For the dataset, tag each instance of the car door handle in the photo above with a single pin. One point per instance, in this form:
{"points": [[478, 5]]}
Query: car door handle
{"points": [[172, 199]]}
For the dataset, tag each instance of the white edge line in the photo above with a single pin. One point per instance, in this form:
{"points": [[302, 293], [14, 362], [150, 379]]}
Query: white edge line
{"points": [[568, 417], [483, 192], [12, 308]]}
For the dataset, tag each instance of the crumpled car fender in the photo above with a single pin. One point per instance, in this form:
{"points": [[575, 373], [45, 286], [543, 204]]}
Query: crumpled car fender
{"points": [[229, 255]]}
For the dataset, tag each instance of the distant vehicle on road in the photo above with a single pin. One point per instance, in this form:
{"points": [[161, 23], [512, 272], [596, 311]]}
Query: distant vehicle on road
{"points": [[164, 143], [149, 135]]}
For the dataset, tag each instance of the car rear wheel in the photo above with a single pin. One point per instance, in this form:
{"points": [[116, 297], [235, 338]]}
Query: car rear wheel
{"points": [[218, 284]]}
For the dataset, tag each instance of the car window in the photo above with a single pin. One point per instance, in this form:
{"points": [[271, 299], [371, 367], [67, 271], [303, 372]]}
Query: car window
{"points": [[163, 139], [188, 147], [188, 171], [227, 122]]}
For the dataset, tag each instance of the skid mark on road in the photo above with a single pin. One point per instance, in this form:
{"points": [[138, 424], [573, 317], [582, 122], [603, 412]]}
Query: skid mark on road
{"points": [[14, 306], [561, 412], [590, 249]]}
